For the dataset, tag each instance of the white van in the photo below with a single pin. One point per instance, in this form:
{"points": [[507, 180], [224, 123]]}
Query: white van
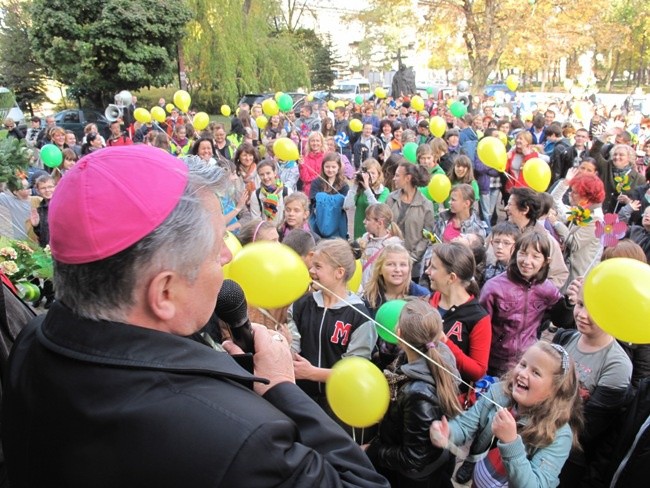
{"points": [[350, 88]]}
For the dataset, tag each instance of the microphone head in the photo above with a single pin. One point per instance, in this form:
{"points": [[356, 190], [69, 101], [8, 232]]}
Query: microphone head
{"points": [[231, 304]]}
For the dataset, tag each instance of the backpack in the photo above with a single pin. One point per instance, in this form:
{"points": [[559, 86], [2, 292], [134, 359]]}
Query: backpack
{"points": [[326, 219]]}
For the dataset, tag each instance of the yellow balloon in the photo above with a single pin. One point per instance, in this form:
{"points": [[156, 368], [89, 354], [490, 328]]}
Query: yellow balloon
{"points": [[502, 137], [285, 149], [277, 96], [417, 103], [331, 105], [356, 125], [261, 122], [310, 97], [158, 114], [438, 126], [270, 107], [201, 121], [537, 174], [512, 82], [169, 107], [439, 187], [380, 92], [142, 115], [182, 100], [234, 246], [271, 274], [355, 281], [492, 153], [580, 110], [617, 297], [340, 103], [225, 111], [357, 392]]}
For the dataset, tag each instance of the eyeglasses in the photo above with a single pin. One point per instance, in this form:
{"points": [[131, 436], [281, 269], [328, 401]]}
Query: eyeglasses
{"points": [[412, 113], [499, 242], [46, 188], [392, 115], [9, 127]]}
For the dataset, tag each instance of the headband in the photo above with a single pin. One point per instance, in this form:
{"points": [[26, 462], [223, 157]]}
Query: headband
{"points": [[564, 355], [257, 230]]}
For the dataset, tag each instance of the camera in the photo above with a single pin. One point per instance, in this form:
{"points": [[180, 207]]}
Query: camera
{"points": [[359, 175]]}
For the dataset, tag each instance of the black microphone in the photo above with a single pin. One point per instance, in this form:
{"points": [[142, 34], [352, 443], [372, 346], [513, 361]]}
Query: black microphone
{"points": [[232, 309]]}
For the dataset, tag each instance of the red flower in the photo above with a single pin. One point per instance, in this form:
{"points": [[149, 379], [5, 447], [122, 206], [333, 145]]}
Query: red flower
{"points": [[611, 230]]}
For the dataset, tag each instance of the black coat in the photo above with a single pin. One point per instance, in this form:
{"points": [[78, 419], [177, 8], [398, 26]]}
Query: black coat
{"points": [[403, 450], [106, 404]]}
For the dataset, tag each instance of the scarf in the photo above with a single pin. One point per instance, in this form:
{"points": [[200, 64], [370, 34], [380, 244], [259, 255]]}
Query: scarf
{"points": [[270, 199]]}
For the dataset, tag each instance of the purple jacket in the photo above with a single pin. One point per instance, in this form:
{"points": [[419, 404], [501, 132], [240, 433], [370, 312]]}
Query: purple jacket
{"points": [[516, 312], [482, 174]]}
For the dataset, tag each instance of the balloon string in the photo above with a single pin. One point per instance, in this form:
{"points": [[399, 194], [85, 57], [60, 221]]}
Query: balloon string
{"points": [[318, 175], [413, 348]]}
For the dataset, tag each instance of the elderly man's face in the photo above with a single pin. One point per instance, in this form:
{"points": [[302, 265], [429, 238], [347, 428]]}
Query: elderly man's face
{"points": [[196, 300]]}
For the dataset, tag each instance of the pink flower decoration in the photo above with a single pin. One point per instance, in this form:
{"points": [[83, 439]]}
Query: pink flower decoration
{"points": [[611, 230]]}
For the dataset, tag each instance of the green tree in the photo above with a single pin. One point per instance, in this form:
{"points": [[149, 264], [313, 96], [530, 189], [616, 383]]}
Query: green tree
{"points": [[100, 47], [323, 65], [232, 48], [19, 69]]}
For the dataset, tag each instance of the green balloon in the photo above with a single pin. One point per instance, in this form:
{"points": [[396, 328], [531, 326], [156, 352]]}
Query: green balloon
{"points": [[388, 317], [51, 155], [358, 99], [410, 152], [458, 109], [429, 90], [285, 102]]}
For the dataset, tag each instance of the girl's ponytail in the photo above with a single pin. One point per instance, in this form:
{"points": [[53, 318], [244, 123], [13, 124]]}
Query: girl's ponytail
{"points": [[445, 383]]}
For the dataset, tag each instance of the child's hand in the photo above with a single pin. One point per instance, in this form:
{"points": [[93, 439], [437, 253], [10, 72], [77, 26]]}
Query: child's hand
{"points": [[573, 290], [243, 199], [34, 218], [504, 426], [636, 205], [301, 367], [439, 433]]}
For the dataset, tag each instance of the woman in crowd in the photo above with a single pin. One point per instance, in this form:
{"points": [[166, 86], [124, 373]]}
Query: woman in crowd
{"points": [[222, 146], [460, 218], [93, 143], [412, 211], [366, 189], [517, 157], [312, 161], [246, 159]]}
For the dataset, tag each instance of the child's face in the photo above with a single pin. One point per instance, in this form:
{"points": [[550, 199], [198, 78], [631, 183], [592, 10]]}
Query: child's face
{"points": [[438, 274], [503, 246], [331, 169], [324, 271], [584, 324], [456, 203], [68, 163], [373, 225], [460, 171], [530, 261], [267, 175], [426, 160], [46, 190], [395, 270], [533, 378], [373, 174], [295, 215]]}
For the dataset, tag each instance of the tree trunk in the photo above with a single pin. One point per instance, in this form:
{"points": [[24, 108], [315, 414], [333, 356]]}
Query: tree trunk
{"points": [[641, 53], [182, 74]]}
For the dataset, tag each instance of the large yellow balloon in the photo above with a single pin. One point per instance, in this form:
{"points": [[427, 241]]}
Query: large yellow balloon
{"points": [[270, 107], [182, 100], [492, 153], [380, 92], [331, 104], [285, 149], [261, 122], [271, 274], [355, 281], [201, 121], [617, 297], [417, 103], [142, 115], [158, 114], [439, 187], [339, 103], [537, 174], [225, 111], [357, 392], [356, 125], [234, 246], [438, 126], [512, 82], [169, 107]]}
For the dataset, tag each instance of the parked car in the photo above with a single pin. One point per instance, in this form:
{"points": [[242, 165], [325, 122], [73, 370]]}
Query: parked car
{"points": [[76, 120], [491, 91]]}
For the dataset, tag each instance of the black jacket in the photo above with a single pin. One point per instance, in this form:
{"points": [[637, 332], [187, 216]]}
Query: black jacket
{"points": [[107, 404], [403, 446]]}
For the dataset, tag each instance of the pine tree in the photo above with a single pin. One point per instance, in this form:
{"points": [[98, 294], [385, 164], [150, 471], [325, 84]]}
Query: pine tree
{"points": [[324, 65]]}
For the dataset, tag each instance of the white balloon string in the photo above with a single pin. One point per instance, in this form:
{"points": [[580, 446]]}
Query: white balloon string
{"points": [[413, 348]]}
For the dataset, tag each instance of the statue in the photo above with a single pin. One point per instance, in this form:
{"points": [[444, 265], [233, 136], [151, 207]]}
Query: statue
{"points": [[403, 82]]}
